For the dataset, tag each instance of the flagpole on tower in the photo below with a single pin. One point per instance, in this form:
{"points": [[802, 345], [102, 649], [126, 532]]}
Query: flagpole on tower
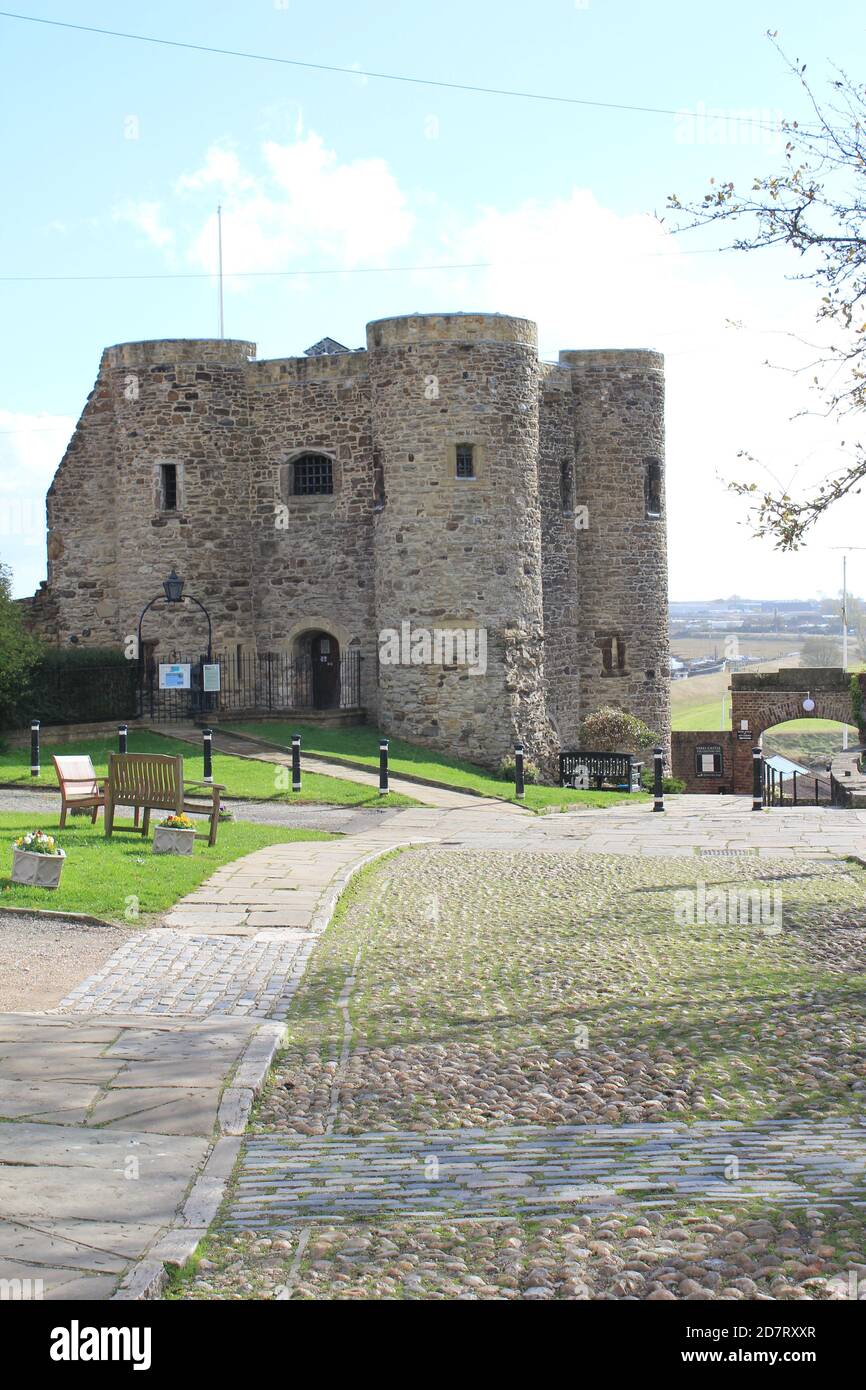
{"points": [[220, 246]]}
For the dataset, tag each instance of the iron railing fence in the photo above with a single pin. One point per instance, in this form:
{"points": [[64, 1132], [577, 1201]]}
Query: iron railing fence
{"points": [[802, 789], [267, 682]]}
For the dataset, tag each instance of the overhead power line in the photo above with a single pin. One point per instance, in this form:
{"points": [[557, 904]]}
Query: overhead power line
{"points": [[341, 270], [741, 119]]}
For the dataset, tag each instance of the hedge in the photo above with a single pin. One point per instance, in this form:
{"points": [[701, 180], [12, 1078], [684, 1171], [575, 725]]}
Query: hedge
{"points": [[83, 686]]}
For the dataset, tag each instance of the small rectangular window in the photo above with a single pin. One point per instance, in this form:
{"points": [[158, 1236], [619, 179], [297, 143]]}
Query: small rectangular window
{"points": [[168, 487], [465, 461]]}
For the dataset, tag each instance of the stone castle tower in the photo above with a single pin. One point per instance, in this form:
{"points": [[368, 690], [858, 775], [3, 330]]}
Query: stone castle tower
{"points": [[443, 479]]}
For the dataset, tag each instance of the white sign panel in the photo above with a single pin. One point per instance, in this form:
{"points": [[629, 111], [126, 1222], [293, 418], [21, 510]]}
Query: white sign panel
{"points": [[174, 676], [210, 677], [708, 762]]}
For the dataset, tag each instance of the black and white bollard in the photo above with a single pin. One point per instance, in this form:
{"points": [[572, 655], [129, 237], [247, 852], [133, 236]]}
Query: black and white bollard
{"points": [[296, 762], [383, 767], [34, 747], [519, 783], [757, 779], [207, 741], [658, 784], [122, 733]]}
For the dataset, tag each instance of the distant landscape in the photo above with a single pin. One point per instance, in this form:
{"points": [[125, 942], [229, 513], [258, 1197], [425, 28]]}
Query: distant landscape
{"points": [[724, 632]]}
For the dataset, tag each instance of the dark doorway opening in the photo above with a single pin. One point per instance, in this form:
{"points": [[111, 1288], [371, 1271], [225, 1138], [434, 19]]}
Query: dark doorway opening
{"points": [[325, 658]]}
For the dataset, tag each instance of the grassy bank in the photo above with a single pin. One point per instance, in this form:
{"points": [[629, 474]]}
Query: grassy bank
{"points": [[121, 879], [244, 780], [361, 745]]}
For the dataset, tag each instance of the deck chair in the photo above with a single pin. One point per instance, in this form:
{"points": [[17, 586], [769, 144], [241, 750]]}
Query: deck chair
{"points": [[79, 789]]}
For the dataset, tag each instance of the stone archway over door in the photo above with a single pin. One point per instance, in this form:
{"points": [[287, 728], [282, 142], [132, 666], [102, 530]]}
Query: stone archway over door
{"points": [[763, 700]]}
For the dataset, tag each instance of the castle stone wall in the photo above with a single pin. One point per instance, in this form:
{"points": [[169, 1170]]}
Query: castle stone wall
{"points": [[313, 556], [454, 552], [573, 616], [623, 645]]}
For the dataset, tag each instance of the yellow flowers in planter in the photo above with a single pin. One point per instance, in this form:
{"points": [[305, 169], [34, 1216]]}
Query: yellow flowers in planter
{"points": [[37, 860], [174, 835], [37, 842]]}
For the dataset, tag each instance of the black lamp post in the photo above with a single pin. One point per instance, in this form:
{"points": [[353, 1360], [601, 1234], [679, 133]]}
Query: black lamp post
{"points": [[173, 593]]}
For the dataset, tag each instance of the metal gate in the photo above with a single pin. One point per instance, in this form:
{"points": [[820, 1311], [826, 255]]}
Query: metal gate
{"points": [[249, 683]]}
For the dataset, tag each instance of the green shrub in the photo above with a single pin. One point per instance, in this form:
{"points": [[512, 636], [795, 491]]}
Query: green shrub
{"points": [[609, 730], [83, 685], [670, 785], [858, 702], [19, 652], [507, 769]]}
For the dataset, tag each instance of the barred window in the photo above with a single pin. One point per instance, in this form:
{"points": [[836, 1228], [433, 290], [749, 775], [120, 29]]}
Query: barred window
{"points": [[313, 475], [465, 461]]}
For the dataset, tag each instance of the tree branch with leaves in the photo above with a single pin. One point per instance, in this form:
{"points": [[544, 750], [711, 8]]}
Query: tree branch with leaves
{"points": [[815, 205]]}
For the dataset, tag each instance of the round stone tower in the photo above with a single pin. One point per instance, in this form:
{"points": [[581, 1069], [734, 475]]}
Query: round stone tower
{"points": [[458, 533], [181, 454], [622, 555]]}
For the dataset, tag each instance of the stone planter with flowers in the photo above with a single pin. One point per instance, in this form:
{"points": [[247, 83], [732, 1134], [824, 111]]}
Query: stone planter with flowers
{"points": [[174, 835], [37, 860]]}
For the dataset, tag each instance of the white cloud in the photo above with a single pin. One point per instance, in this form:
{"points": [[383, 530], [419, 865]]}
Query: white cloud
{"points": [[302, 204], [221, 167], [31, 447], [148, 218]]}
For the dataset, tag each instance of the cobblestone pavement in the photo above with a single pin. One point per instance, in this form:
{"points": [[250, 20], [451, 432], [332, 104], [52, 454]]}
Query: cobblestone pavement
{"points": [[521, 1074], [530, 1171], [184, 975], [460, 1025]]}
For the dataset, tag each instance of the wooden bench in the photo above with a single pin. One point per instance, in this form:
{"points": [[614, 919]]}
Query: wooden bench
{"points": [[154, 782], [79, 789]]}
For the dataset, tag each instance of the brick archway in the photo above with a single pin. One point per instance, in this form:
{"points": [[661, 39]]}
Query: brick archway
{"points": [[771, 698]]}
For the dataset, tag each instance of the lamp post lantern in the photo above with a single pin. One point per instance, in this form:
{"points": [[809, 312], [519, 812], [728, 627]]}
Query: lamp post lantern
{"points": [[172, 592], [173, 587]]}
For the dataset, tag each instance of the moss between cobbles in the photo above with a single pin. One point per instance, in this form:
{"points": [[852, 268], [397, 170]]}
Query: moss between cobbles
{"points": [[474, 974], [689, 1250]]}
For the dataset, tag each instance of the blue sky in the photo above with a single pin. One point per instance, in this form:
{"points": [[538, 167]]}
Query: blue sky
{"points": [[117, 152]]}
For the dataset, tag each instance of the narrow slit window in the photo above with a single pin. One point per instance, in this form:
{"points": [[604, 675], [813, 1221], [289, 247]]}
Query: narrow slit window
{"points": [[378, 485], [465, 455], [653, 488], [566, 485], [168, 487], [313, 476]]}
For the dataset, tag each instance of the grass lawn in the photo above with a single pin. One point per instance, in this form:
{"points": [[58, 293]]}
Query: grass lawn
{"points": [[121, 879], [361, 745], [251, 781]]}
